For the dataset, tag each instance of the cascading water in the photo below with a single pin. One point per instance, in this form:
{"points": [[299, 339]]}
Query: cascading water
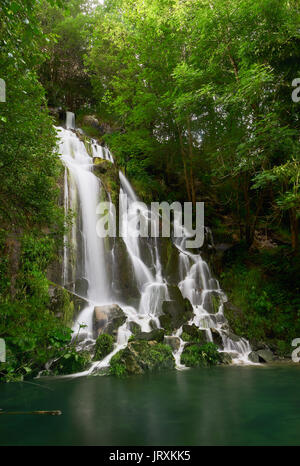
{"points": [[82, 193], [153, 289], [86, 258], [204, 293]]}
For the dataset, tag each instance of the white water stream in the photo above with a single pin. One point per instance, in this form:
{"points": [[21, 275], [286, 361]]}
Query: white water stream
{"points": [[86, 258]]}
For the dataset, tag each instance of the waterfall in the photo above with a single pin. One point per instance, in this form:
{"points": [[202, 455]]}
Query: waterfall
{"points": [[204, 293], [87, 259], [153, 289], [85, 248]]}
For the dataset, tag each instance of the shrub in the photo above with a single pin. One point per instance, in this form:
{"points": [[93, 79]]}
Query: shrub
{"points": [[200, 355], [117, 366], [71, 362], [104, 346]]}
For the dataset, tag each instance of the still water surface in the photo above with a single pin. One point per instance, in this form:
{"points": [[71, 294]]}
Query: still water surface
{"points": [[217, 406]]}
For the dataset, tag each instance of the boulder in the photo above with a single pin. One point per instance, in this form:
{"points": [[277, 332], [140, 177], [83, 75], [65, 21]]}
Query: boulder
{"points": [[153, 324], [100, 320], [173, 342], [175, 312], [226, 358], [92, 121], [134, 327], [108, 319], [142, 356], [262, 355], [253, 357], [154, 335], [265, 355]]}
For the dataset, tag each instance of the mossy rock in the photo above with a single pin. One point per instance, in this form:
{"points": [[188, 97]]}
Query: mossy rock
{"points": [[101, 166], [191, 333], [134, 328], [71, 363], [104, 346], [225, 358], [65, 304], [169, 256], [212, 302], [108, 174], [154, 335], [176, 312], [196, 355], [217, 338], [140, 357]]}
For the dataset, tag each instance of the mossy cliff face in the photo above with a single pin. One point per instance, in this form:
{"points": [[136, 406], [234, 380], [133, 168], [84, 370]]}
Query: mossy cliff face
{"points": [[65, 304]]}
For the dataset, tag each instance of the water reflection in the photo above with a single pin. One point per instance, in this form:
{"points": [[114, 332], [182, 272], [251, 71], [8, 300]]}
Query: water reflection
{"points": [[218, 406]]}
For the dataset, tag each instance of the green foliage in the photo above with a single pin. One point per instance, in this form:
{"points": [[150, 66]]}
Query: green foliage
{"points": [[200, 355], [104, 346], [62, 74], [117, 366], [202, 95], [265, 290], [71, 362], [33, 335], [29, 209], [141, 356]]}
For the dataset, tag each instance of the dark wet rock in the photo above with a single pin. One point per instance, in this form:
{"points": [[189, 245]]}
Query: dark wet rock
{"points": [[124, 279], [153, 324], [176, 312], [265, 355], [217, 338], [192, 333], [142, 356], [226, 358], [258, 345], [253, 357], [169, 256], [81, 286], [173, 342], [212, 301], [154, 335], [108, 319], [134, 327], [233, 337]]}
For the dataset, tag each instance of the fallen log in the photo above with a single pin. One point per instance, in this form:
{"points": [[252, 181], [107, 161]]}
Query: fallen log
{"points": [[49, 413]]}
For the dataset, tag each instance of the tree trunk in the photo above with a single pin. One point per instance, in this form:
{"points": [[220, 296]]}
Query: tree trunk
{"points": [[183, 156], [294, 225]]}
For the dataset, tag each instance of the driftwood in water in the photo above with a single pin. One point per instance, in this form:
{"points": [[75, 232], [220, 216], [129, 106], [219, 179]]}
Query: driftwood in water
{"points": [[49, 413]]}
